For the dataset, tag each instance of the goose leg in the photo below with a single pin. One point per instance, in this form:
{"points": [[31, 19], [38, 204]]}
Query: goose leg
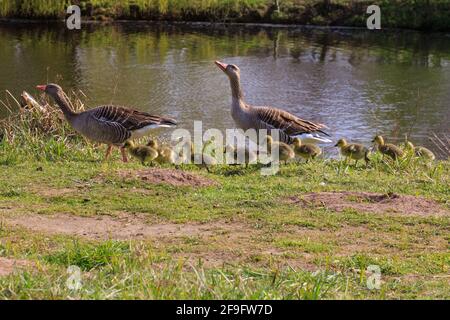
{"points": [[108, 152], [124, 155]]}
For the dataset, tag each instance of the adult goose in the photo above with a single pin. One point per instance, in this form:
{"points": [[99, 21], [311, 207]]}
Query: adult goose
{"points": [[111, 125], [251, 117]]}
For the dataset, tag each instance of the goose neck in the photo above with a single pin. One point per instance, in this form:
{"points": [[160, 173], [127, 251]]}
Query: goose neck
{"points": [[63, 104], [236, 89]]}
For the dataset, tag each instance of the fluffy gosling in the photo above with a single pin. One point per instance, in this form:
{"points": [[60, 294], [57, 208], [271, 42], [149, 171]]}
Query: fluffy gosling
{"points": [[231, 152], [165, 154], [420, 152], [388, 149], [286, 153], [307, 151], [145, 154], [353, 151]]}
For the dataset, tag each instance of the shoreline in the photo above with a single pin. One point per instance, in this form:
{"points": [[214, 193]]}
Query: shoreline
{"points": [[264, 25], [429, 16]]}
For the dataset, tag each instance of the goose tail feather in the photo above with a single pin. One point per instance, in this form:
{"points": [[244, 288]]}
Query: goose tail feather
{"points": [[313, 138]]}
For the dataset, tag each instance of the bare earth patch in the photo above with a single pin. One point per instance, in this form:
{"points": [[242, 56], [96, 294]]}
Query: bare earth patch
{"points": [[124, 226], [168, 176], [52, 192], [372, 202], [8, 266]]}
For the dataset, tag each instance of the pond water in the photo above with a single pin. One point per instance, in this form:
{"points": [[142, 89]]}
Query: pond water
{"points": [[358, 82]]}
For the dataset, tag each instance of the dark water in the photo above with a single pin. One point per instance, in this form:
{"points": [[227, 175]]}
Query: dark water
{"points": [[357, 82]]}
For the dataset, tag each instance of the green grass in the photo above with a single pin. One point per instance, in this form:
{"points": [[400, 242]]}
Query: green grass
{"points": [[424, 15], [310, 256]]}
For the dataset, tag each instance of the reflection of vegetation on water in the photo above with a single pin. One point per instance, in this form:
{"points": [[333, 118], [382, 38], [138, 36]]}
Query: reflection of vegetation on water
{"points": [[425, 14]]}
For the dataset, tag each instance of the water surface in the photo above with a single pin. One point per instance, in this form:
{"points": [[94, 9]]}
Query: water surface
{"points": [[358, 82]]}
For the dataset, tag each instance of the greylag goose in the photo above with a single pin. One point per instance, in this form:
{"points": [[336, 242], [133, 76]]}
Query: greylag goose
{"points": [[111, 125], [250, 117], [353, 151], [388, 149]]}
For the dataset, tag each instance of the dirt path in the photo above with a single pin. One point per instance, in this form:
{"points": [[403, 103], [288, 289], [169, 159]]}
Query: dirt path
{"points": [[122, 227], [8, 266], [392, 203]]}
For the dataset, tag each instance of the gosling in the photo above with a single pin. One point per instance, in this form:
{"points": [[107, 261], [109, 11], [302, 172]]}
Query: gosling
{"points": [[388, 149], [286, 153], [307, 151], [145, 154], [165, 154], [353, 151], [233, 153], [205, 159], [420, 152]]}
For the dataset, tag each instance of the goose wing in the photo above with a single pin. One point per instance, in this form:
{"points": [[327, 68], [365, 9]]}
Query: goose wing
{"points": [[130, 119], [108, 131], [287, 123]]}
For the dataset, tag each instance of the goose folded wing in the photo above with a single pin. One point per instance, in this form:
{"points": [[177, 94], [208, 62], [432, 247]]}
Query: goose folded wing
{"points": [[287, 122], [131, 119], [110, 132]]}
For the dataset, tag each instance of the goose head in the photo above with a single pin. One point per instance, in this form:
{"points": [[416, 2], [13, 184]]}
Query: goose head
{"points": [[51, 89], [341, 143], [231, 70]]}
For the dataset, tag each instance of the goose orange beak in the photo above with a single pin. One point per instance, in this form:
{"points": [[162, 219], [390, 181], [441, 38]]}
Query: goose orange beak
{"points": [[222, 66], [41, 87]]}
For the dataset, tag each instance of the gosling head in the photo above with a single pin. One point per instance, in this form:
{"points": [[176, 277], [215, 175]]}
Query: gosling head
{"points": [[51, 89], [378, 140], [129, 145], [153, 144], [341, 143], [297, 142], [228, 148], [231, 70], [409, 145], [269, 140]]}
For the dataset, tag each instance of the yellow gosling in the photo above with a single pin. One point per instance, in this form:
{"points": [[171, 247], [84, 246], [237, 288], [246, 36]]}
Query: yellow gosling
{"points": [[231, 152], [354, 151], [165, 153], [420, 152], [286, 153], [307, 151], [388, 149], [143, 153]]}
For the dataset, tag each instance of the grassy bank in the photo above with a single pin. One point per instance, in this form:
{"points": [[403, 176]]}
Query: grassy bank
{"points": [[423, 14], [239, 235]]}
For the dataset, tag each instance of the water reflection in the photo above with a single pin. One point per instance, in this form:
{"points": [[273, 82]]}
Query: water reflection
{"points": [[359, 83]]}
